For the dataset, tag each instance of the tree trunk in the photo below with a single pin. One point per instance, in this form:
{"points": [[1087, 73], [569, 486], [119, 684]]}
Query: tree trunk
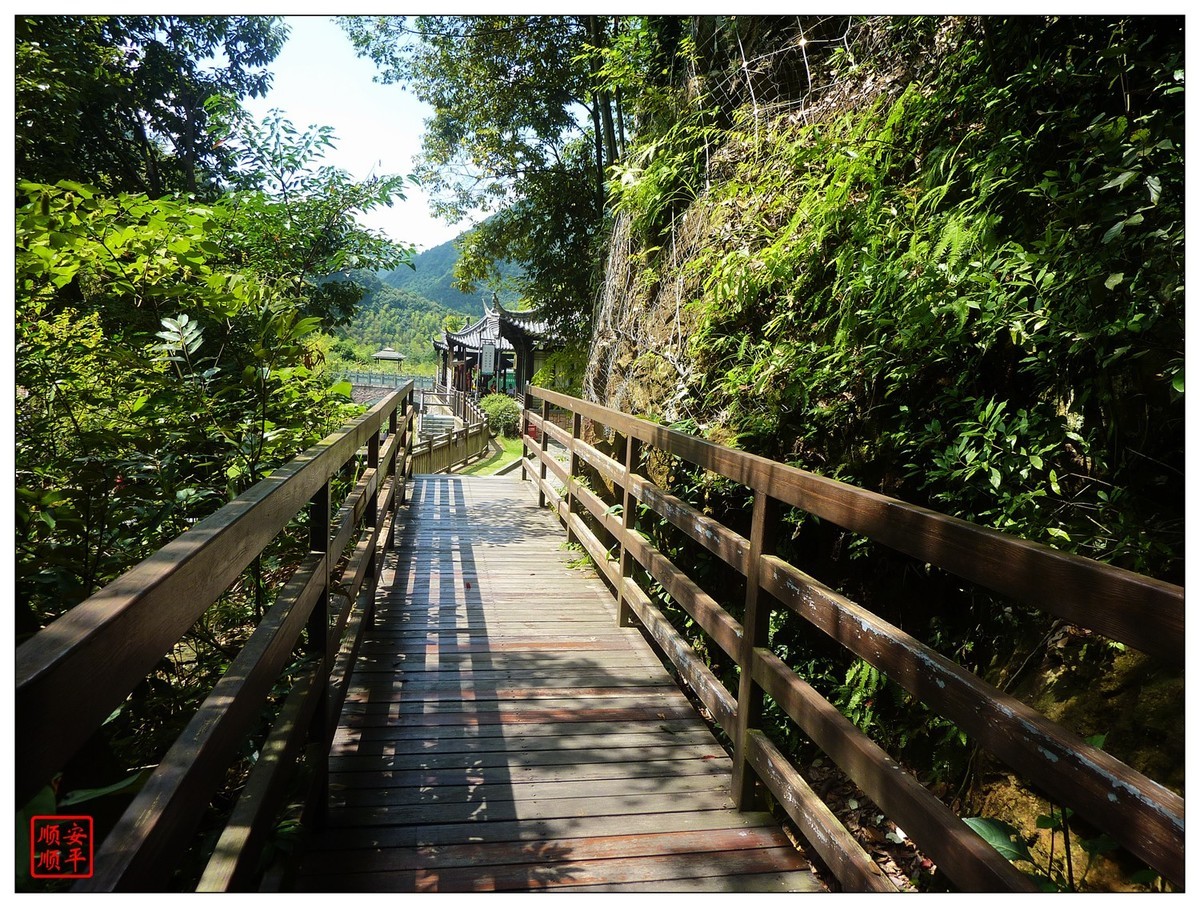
{"points": [[602, 110], [599, 152]]}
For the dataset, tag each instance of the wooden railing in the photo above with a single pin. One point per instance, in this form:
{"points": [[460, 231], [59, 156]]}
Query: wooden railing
{"points": [[463, 404], [1143, 816], [73, 674], [442, 453], [456, 448]]}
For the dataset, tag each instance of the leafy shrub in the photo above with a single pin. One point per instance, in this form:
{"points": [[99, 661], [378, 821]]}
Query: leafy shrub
{"points": [[563, 369], [989, 327], [966, 292], [504, 416]]}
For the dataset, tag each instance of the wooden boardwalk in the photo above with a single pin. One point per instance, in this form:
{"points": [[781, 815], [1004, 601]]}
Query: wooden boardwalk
{"points": [[502, 732]]}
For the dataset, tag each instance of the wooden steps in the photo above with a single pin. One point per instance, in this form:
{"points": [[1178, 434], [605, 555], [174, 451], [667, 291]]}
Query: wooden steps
{"points": [[501, 732], [434, 424]]}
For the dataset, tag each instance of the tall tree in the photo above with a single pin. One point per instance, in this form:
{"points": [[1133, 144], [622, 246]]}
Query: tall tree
{"points": [[519, 128], [119, 102], [296, 215]]}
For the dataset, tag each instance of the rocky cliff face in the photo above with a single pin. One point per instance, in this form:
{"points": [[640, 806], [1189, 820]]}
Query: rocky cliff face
{"points": [[639, 356], [641, 360]]}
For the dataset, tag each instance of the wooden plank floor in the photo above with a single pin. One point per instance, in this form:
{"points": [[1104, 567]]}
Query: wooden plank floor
{"points": [[502, 732]]}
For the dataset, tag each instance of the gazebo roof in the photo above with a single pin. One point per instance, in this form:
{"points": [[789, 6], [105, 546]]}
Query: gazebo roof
{"points": [[499, 326], [387, 353]]}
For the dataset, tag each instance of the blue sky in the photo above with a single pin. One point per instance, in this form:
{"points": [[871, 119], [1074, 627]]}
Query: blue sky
{"points": [[319, 81]]}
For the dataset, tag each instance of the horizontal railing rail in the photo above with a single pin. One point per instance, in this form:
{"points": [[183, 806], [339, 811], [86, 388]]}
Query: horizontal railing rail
{"points": [[74, 673], [1142, 815]]}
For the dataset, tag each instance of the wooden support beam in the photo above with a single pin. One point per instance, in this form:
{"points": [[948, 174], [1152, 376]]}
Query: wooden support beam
{"points": [[756, 629], [633, 456]]}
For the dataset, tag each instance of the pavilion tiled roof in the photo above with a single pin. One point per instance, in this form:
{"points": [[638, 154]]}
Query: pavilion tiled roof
{"points": [[474, 336], [531, 323], [497, 326]]}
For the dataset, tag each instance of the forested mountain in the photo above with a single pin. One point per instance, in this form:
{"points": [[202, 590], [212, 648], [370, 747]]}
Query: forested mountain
{"points": [[406, 307], [432, 277], [388, 317]]}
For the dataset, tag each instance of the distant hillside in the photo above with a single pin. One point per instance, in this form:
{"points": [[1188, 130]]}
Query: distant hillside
{"points": [[405, 308], [388, 317], [432, 276]]}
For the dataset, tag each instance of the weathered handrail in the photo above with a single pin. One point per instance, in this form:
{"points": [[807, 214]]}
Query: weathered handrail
{"points": [[1147, 614], [76, 671]]}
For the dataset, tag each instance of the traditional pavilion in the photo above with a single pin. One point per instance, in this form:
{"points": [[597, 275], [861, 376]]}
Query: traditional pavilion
{"points": [[388, 355], [500, 352]]}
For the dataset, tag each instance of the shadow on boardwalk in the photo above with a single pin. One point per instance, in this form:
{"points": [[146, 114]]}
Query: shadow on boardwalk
{"points": [[502, 733]]}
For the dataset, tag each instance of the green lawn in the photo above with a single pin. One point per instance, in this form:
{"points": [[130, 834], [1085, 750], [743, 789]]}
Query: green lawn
{"points": [[512, 450]]}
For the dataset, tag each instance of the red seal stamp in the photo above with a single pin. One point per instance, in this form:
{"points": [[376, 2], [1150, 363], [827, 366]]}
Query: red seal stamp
{"points": [[61, 848]]}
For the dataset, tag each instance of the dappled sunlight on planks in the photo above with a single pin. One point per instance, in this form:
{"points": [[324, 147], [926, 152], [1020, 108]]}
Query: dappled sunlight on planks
{"points": [[501, 732]]}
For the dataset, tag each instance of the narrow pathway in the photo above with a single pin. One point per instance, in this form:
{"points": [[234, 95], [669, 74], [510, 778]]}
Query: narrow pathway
{"points": [[503, 733]]}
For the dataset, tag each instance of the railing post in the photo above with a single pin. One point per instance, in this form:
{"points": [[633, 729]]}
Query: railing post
{"points": [[633, 456], [572, 467], [524, 432], [371, 515], [756, 628], [398, 474], [544, 440], [320, 738]]}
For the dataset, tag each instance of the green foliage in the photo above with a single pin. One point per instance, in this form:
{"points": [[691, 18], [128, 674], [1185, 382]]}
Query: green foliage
{"points": [[157, 376], [454, 323], [506, 140], [152, 384], [960, 285], [167, 358], [1001, 836], [295, 219], [504, 416], [993, 327], [387, 317], [665, 173], [563, 369], [168, 352], [1060, 876], [118, 102], [554, 234]]}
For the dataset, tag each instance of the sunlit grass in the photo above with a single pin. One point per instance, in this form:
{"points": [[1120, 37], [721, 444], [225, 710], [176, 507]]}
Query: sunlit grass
{"points": [[511, 451]]}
